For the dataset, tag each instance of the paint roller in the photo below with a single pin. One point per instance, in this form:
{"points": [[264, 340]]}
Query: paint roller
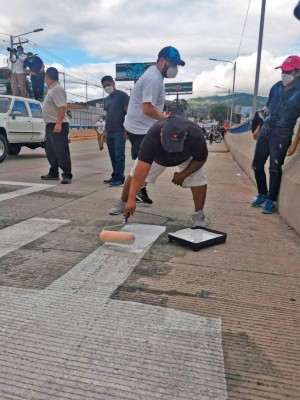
{"points": [[117, 236]]}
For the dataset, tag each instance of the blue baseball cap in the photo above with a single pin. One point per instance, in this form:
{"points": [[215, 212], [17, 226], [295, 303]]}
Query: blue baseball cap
{"points": [[172, 54]]}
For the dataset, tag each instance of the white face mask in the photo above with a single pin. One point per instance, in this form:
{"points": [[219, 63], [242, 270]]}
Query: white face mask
{"points": [[109, 89], [172, 72], [287, 79]]}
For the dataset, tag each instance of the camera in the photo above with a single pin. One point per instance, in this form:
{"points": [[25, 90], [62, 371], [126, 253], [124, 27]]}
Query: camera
{"points": [[12, 50]]}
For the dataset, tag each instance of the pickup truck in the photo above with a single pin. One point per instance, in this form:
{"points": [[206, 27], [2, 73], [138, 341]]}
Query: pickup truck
{"points": [[21, 124]]}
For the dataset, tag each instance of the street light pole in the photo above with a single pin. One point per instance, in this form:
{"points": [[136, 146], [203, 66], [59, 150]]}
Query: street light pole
{"points": [[12, 37], [228, 90], [260, 39], [233, 83]]}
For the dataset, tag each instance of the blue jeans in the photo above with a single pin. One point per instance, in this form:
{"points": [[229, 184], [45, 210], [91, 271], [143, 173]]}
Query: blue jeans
{"points": [[273, 142], [116, 148]]}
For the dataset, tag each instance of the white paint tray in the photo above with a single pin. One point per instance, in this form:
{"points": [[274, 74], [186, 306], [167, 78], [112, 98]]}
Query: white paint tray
{"points": [[197, 238]]}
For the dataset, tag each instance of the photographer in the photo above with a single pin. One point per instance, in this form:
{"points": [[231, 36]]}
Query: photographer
{"points": [[34, 66], [18, 77]]}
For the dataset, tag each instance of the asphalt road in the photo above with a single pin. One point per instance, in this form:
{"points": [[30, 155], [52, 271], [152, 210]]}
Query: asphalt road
{"points": [[82, 320]]}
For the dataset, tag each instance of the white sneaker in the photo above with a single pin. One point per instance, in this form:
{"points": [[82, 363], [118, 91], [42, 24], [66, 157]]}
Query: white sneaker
{"points": [[118, 208], [199, 219]]}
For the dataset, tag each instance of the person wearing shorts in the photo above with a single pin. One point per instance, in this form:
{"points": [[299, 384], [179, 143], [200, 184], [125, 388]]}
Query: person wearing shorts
{"points": [[170, 142], [147, 102]]}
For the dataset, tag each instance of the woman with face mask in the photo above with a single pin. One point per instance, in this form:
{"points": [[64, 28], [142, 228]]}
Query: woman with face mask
{"points": [[276, 133]]}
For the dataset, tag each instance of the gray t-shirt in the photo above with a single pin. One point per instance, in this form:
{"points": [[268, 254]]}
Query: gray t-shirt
{"points": [[148, 89], [56, 97]]}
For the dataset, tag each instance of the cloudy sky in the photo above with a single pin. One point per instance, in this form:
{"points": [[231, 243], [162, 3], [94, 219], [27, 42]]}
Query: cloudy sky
{"points": [[86, 38]]}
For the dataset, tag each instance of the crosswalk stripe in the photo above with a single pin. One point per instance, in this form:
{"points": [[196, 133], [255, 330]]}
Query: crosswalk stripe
{"points": [[29, 188], [16, 236], [74, 332]]}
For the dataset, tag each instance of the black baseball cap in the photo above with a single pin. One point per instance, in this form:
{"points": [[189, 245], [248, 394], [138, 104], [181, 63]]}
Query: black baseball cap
{"points": [[173, 135], [172, 54]]}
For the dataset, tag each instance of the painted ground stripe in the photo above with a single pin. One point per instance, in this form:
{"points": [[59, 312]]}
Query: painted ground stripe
{"points": [[73, 332], [16, 236], [29, 188]]}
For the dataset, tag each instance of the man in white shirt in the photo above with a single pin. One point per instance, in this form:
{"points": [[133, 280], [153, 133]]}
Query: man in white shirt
{"points": [[145, 108], [18, 77], [57, 129], [99, 128]]}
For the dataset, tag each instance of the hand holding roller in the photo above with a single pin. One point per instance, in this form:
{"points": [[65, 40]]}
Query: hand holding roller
{"points": [[120, 237]]}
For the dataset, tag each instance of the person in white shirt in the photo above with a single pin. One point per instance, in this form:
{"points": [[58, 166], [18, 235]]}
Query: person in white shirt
{"points": [[18, 77], [99, 128], [54, 112], [145, 108]]}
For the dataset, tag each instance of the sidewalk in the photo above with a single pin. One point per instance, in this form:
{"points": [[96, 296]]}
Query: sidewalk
{"points": [[88, 321]]}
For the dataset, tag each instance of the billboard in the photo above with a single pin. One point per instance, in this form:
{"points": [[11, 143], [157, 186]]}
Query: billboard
{"points": [[131, 71], [174, 88]]}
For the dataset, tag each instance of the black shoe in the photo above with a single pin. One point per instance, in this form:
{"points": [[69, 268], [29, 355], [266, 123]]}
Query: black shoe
{"points": [[49, 178], [66, 181], [110, 180], [143, 195]]}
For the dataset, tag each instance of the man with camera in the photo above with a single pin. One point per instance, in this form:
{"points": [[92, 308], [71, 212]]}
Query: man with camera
{"points": [[34, 66], [18, 77]]}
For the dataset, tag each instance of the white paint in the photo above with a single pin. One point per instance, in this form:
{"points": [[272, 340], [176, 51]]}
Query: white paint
{"points": [[144, 234], [29, 188], [15, 236]]}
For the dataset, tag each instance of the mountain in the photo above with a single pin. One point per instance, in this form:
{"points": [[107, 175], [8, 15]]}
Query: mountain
{"points": [[204, 104]]}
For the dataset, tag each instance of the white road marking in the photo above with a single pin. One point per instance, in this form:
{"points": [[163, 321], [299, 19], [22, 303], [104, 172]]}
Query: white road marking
{"points": [[73, 332], [144, 234], [29, 188], [15, 236]]}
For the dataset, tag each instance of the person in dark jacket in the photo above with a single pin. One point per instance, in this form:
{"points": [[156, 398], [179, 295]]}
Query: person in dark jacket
{"points": [[275, 136], [115, 106], [34, 66]]}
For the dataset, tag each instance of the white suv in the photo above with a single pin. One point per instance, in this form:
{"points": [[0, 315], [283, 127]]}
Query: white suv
{"points": [[21, 124]]}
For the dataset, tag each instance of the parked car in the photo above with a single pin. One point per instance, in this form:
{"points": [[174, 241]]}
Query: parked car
{"points": [[21, 124]]}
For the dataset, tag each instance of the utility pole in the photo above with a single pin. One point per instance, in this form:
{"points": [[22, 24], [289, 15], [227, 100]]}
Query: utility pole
{"points": [[260, 39], [86, 91], [233, 83], [233, 87]]}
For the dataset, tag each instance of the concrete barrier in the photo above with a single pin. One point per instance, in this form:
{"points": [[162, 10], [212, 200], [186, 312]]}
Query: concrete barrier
{"points": [[242, 145], [82, 133]]}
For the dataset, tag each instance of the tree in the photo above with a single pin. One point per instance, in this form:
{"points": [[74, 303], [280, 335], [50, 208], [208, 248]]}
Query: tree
{"points": [[219, 112], [178, 108]]}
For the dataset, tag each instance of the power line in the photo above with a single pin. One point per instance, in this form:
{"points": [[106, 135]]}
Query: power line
{"points": [[62, 60], [238, 52]]}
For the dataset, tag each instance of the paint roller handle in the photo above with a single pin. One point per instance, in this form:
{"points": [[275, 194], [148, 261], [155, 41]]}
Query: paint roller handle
{"points": [[129, 208], [126, 216]]}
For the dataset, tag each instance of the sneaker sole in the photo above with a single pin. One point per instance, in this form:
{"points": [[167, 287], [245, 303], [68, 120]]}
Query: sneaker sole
{"points": [[116, 185], [144, 201], [258, 205], [268, 212], [115, 213]]}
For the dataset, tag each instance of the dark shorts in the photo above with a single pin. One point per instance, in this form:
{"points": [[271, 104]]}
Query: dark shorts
{"points": [[135, 141]]}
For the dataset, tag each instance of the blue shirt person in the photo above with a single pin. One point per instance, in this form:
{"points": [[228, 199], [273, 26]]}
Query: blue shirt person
{"points": [[115, 105], [34, 66], [275, 136]]}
